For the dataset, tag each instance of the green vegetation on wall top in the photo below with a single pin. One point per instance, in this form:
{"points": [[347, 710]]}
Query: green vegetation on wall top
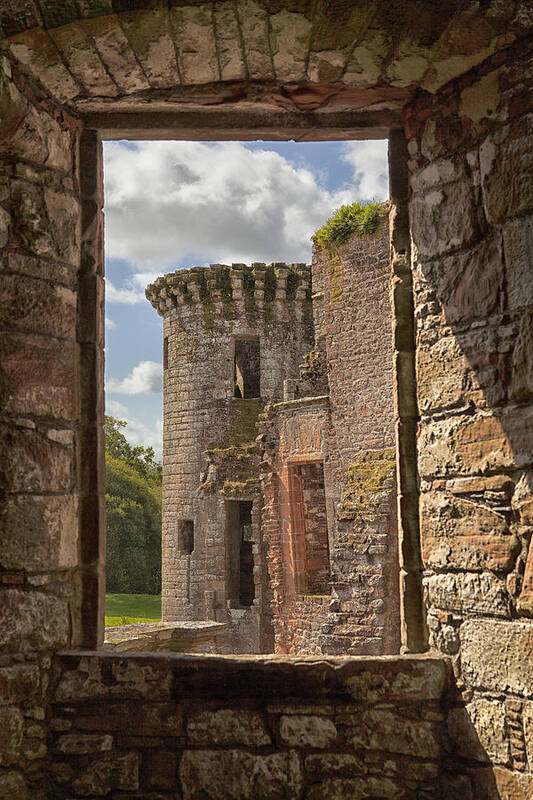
{"points": [[359, 218]]}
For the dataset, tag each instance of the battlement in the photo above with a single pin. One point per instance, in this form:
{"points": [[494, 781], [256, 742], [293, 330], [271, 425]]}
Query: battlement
{"points": [[276, 289]]}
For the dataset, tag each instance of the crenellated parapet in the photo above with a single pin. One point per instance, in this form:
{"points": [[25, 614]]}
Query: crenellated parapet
{"points": [[272, 291]]}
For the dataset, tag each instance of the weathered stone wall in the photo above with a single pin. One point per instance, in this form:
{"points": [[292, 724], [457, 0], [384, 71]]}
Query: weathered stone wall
{"points": [[209, 454], [355, 314], [353, 434], [167, 726], [471, 206], [48, 361]]}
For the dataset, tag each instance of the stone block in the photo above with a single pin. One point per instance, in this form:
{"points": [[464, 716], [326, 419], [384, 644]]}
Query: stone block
{"points": [[82, 680], [479, 730], [386, 730], [476, 444], [307, 731], [356, 789], [38, 306], [35, 50], [116, 53], [194, 37], [11, 728], [39, 534], [31, 463], [46, 222], [498, 656], [18, 684], [94, 780], [527, 714], [12, 785], [467, 285], [230, 54], [518, 246], [290, 39], [506, 165], [32, 621], [227, 727], [83, 743], [83, 60], [325, 765], [253, 20], [236, 773], [466, 535], [39, 376], [443, 219], [520, 387], [513, 785], [148, 34], [468, 593]]}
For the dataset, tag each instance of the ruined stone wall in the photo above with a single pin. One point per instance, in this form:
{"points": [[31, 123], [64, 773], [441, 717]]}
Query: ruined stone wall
{"points": [[209, 453], [472, 229], [47, 362], [158, 726], [354, 437], [355, 320]]}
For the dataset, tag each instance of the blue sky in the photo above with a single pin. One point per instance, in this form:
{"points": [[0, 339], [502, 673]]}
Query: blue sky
{"points": [[172, 205]]}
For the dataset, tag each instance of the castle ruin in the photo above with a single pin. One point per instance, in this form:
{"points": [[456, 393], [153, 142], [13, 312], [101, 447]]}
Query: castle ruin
{"points": [[449, 84], [291, 539]]}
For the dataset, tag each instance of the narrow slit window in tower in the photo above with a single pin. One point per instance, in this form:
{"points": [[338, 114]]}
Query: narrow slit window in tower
{"points": [[185, 536], [246, 368]]}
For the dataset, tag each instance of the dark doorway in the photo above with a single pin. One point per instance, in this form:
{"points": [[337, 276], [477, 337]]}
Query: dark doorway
{"points": [[246, 368], [239, 553]]}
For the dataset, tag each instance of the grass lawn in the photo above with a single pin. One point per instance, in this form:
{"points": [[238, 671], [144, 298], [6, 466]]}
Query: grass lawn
{"points": [[125, 609]]}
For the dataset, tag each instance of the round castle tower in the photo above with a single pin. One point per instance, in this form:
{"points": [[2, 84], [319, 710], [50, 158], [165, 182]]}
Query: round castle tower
{"points": [[232, 335]]}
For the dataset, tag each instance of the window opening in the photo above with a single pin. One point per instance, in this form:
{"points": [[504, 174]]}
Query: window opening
{"points": [[309, 529], [246, 368], [165, 352], [239, 552], [186, 536]]}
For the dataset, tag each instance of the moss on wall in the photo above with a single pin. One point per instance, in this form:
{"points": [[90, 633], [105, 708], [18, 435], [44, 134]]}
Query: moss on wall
{"points": [[358, 218], [369, 481]]}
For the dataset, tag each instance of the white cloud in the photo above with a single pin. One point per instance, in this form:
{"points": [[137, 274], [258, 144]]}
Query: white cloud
{"points": [[110, 324], [136, 432], [369, 162], [220, 202], [145, 378], [127, 294]]}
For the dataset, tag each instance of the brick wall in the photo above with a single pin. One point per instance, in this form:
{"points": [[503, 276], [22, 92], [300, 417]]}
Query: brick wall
{"points": [[471, 206]]}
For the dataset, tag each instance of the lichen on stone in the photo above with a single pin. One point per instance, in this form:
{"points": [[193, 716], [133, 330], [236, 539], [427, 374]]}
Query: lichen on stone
{"points": [[369, 481]]}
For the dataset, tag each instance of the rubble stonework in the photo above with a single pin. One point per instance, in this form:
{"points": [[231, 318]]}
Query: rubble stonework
{"points": [[210, 458], [455, 79], [351, 432]]}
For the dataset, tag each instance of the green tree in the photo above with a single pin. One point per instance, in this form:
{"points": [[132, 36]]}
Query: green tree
{"points": [[133, 508], [141, 459]]}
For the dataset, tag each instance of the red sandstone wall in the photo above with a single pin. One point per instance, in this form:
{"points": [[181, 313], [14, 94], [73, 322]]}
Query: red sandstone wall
{"points": [[472, 223], [353, 435]]}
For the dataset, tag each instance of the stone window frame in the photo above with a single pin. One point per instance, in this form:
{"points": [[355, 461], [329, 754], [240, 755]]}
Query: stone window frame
{"points": [[90, 316], [241, 337], [298, 541]]}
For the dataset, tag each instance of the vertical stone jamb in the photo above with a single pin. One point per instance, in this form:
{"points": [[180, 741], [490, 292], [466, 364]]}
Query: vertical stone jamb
{"points": [[412, 613], [90, 439]]}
